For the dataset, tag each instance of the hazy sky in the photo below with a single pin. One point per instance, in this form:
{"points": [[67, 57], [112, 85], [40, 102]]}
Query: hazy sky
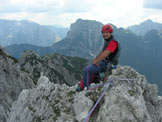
{"points": [[121, 13]]}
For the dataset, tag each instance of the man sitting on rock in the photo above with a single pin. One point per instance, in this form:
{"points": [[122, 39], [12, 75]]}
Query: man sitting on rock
{"points": [[109, 54]]}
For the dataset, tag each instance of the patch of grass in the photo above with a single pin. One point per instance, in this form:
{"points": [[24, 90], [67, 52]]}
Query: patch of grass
{"points": [[131, 92], [66, 110], [57, 101], [30, 107], [71, 93], [37, 119], [70, 100], [56, 110], [46, 98], [54, 119]]}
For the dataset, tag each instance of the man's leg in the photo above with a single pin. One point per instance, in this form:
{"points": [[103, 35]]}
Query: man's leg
{"points": [[90, 70]]}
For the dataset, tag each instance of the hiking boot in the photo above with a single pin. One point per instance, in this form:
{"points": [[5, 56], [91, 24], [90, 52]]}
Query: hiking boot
{"points": [[78, 89]]}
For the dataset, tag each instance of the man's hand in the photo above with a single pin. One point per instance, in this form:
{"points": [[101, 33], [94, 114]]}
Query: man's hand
{"points": [[95, 62], [100, 57]]}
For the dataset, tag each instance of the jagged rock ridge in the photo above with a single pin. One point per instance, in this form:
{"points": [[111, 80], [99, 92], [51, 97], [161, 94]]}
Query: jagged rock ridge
{"points": [[58, 68], [130, 99], [12, 81], [16, 75]]}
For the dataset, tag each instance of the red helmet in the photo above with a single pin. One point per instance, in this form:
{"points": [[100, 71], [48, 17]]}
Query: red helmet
{"points": [[107, 28]]}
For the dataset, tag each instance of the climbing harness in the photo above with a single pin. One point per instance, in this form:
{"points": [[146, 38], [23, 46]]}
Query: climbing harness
{"points": [[107, 85]]}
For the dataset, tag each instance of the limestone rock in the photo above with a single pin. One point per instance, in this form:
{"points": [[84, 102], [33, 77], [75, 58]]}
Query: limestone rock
{"points": [[12, 81], [82, 106], [129, 99]]}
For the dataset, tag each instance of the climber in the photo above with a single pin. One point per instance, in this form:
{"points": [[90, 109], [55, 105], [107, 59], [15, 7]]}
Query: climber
{"points": [[109, 54]]}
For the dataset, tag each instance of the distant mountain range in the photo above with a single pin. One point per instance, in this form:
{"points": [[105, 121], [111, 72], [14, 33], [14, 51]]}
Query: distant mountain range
{"points": [[84, 39], [144, 27], [27, 32]]}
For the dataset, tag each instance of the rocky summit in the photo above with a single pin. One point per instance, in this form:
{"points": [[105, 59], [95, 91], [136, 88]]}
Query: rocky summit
{"points": [[129, 99]]}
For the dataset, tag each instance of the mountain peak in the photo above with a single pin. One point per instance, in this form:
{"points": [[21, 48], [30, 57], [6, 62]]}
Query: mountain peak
{"points": [[83, 36], [147, 22], [88, 21], [144, 27], [84, 28]]}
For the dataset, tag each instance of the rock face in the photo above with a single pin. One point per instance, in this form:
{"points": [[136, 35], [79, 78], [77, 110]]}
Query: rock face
{"points": [[82, 40], [33, 64], [12, 81], [71, 68], [58, 68], [130, 99]]}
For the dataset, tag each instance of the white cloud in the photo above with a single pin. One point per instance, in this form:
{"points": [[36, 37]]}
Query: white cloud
{"points": [[73, 6], [39, 6], [64, 12], [12, 6], [157, 4]]}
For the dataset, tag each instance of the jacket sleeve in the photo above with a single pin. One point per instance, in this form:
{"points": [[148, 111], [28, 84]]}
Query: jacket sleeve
{"points": [[112, 46]]}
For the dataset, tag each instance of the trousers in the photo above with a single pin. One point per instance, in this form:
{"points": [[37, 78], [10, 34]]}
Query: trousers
{"points": [[92, 69]]}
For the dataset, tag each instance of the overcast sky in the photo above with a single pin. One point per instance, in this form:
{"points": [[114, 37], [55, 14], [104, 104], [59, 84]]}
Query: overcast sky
{"points": [[121, 13]]}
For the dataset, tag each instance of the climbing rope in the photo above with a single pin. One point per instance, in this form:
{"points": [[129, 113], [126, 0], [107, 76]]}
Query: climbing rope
{"points": [[88, 77], [107, 85], [96, 86]]}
